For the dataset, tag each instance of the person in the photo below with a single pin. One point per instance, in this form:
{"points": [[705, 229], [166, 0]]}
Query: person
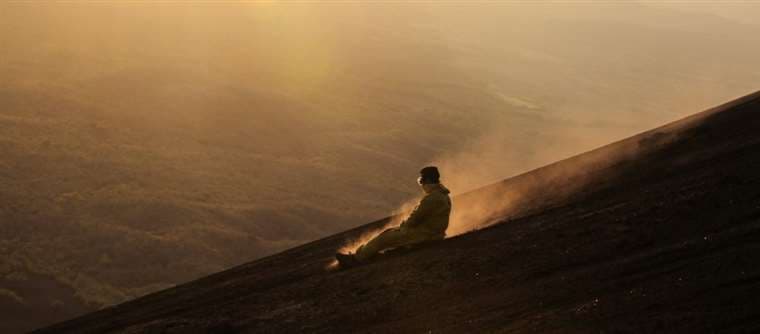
{"points": [[428, 221]]}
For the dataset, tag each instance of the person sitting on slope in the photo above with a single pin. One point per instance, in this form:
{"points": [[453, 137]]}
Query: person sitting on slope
{"points": [[428, 221]]}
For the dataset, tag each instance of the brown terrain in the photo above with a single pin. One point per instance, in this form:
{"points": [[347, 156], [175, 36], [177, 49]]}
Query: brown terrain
{"points": [[659, 232]]}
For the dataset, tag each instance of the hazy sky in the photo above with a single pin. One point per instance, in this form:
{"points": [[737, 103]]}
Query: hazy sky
{"points": [[538, 81], [489, 88], [745, 11]]}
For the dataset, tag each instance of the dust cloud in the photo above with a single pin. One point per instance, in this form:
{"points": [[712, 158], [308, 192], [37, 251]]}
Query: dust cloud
{"points": [[491, 156], [396, 219]]}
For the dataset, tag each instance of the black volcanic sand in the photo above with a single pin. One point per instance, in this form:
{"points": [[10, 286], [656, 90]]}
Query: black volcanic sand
{"points": [[664, 240]]}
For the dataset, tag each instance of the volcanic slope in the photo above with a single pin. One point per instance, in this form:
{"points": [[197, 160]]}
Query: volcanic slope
{"points": [[659, 232]]}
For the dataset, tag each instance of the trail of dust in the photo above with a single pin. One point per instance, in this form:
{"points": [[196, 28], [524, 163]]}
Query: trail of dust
{"points": [[540, 187], [398, 216]]}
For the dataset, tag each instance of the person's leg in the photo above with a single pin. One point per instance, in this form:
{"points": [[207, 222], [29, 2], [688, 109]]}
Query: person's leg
{"points": [[390, 238]]}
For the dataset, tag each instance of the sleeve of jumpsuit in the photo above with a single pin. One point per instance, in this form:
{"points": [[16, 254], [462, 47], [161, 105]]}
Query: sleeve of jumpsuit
{"points": [[420, 212]]}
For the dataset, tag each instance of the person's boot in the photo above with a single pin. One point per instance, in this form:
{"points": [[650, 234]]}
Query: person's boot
{"points": [[347, 260]]}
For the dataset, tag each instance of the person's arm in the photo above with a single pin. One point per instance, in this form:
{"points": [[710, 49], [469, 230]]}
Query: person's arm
{"points": [[420, 212]]}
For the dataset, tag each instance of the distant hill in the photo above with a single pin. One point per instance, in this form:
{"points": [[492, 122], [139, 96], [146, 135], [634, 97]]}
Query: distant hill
{"points": [[654, 233]]}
